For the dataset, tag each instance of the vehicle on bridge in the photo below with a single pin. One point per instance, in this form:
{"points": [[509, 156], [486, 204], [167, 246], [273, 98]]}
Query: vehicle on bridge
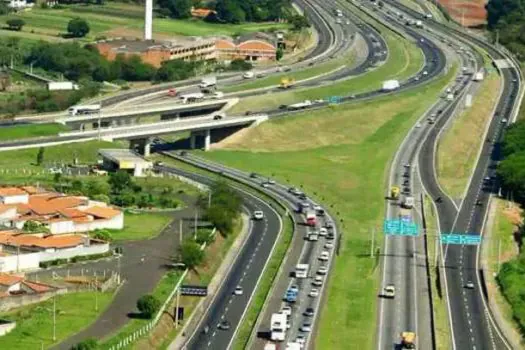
{"points": [[408, 340], [85, 109], [408, 202]]}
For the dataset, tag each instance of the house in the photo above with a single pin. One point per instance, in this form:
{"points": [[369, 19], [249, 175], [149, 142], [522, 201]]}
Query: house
{"points": [[13, 195], [9, 284], [200, 12]]}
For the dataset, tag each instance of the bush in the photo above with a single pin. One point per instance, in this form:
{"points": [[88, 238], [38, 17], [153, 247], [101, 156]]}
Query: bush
{"points": [[88, 344], [240, 65], [191, 254], [205, 236], [15, 24], [78, 27], [148, 305]]}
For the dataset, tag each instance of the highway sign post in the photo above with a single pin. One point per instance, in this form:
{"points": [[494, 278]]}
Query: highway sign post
{"points": [[462, 239]]}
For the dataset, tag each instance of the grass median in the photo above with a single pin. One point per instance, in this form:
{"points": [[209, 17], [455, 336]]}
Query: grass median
{"points": [[34, 323], [340, 156], [32, 130], [404, 60], [458, 148]]}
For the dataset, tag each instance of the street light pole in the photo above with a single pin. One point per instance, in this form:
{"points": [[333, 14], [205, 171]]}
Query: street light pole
{"points": [[54, 318], [195, 225], [373, 241]]}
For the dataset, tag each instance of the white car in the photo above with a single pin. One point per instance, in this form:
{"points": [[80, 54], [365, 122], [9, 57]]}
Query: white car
{"points": [[317, 207], [314, 293], [318, 281], [258, 215], [313, 237], [325, 255], [328, 245], [300, 340], [271, 182], [306, 327], [265, 185], [323, 270], [323, 231], [248, 75], [389, 291], [287, 310], [238, 290]]}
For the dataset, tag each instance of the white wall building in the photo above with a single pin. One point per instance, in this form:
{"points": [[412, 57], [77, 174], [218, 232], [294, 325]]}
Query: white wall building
{"points": [[13, 195]]}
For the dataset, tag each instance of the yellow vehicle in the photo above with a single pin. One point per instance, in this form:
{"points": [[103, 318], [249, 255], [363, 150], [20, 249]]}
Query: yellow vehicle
{"points": [[287, 82], [408, 340], [394, 192]]}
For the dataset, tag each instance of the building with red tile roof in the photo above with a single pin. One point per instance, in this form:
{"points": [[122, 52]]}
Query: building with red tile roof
{"points": [[252, 49]]}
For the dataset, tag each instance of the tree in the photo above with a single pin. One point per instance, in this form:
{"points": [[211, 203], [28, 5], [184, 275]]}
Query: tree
{"points": [[5, 80], [97, 187], [34, 227], [101, 198], [148, 305], [40, 156], [4, 9], [279, 54], [239, 64], [15, 24], [88, 344], [191, 254], [299, 22], [204, 236], [77, 186], [180, 9], [78, 27], [103, 234], [120, 181]]}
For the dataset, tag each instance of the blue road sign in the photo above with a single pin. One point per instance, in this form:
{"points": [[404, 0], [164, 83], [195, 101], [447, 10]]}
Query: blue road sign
{"points": [[398, 227], [466, 239]]}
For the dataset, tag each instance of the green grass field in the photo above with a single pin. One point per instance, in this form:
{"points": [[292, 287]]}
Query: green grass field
{"points": [[343, 164], [404, 60], [26, 131], [138, 226], [34, 329], [118, 19]]}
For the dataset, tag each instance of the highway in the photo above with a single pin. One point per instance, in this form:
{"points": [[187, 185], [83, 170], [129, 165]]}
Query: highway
{"points": [[471, 322]]}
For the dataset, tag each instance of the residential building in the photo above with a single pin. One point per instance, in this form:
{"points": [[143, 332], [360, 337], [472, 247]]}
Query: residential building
{"points": [[155, 52], [57, 212]]}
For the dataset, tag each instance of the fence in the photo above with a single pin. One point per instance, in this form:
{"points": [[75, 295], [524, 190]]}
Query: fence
{"points": [[130, 339]]}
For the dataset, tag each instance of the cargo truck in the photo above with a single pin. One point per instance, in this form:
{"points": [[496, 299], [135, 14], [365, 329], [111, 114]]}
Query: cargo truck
{"points": [[278, 324], [61, 85], [390, 85], [394, 192], [408, 202], [478, 76], [408, 340], [287, 82], [301, 270], [85, 109], [419, 24], [311, 218], [188, 98], [300, 105]]}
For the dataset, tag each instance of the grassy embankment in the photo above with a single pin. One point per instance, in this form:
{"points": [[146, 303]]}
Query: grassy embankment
{"points": [[404, 59], [458, 147], [118, 20], [34, 323], [343, 164], [441, 318], [30, 130]]}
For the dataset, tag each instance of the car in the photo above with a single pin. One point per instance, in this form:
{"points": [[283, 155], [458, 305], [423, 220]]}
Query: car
{"points": [[294, 288], [159, 163], [265, 185], [258, 215], [330, 236], [418, 125], [253, 175], [318, 281], [301, 340], [287, 310], [183, 153], [504, 121], [323, 231], [271, 182], [314, 293], [293, 190], [328, 245], [306, 327], [323, 270], [317, 207], [283, 106], [469, 285], [407, 165], [303, 196], [309, 312], [325, 255], [329, 224], [238, 290], [321, 212], [313, 236], [416, 78], [318, 101], [217, 117], [288, 325], [224, 325], [479, 202], [487, 178], [389, 291]]}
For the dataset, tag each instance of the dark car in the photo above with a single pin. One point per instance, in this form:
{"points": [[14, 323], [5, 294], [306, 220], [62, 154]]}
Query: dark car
{"points": [[302, 196], [224, 325], [309, 312], [478, 202], [183, 153], [283, 106], [253, 175], [217, 117]]}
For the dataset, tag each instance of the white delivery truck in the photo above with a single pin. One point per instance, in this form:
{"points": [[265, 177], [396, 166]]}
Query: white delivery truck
{"points": [[390, 85], [301, 270], [300, 105], [408, 202], [478, 76], [208, 83], [85, 109], [450, 97], [61, 85], [278, 324], [188, 98]]}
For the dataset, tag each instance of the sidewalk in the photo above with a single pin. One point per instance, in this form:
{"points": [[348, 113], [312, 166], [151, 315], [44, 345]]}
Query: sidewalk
{"points": [[216, 282]]}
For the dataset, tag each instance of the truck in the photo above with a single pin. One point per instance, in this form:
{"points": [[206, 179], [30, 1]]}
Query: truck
{"points": [[408, 202], [301, 270], [61, 85], [450, 97], [83, 109], [394, 192], [478, 76], [300, 105], [419, 24], [408, 340], [287, 82], [293, 346], [390, 85], [208, 83], [311, 218], [278, 326], [188, 98], [339, 13]]}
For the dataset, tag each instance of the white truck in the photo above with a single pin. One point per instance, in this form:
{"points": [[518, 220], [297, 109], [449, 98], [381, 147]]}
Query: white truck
{"points": [[478, 76], [188, 98], [390, 85], [208, 83], [450, 97], [83, 109], [419, 24], [61, 85], [278, 326], [301, 270], [293, 346], [300, 105]]}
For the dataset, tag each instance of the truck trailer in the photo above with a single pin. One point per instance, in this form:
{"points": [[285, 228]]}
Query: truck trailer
{"points": [[311, 217]]}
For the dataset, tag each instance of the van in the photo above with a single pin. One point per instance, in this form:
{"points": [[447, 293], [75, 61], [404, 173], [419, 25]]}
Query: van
{"points": [[248, 75]]}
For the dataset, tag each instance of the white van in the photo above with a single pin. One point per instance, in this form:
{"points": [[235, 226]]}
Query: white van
{"points": [[248, 75]]}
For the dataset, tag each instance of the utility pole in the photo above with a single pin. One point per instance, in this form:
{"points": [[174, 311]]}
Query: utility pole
{"points": [[54, 318], [195, 225], [99, 121], [436, 249], [118, 268], [177, 310], [209, 198], [180, 231], [373, 241], [96, 294]]}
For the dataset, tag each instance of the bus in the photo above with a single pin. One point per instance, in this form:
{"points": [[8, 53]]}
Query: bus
{"points": [[278, 322], [86, 109]]}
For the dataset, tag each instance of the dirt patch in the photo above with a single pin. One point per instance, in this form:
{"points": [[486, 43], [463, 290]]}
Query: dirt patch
{"points": [[513, 214], [472, 13]]}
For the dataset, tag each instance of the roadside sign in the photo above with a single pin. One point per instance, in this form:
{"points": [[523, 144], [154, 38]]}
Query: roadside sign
{"points": [[401, 227], [334, 99], [196, 291], [466, 239]]}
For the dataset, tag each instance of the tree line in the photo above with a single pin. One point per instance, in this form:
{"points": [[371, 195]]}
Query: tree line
{"points": [[506, 19]]}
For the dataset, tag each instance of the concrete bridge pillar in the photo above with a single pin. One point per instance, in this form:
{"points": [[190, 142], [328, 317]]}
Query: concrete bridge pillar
{"points": [[142, 146], [207, 139], [193, 140], [146, 150]]}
